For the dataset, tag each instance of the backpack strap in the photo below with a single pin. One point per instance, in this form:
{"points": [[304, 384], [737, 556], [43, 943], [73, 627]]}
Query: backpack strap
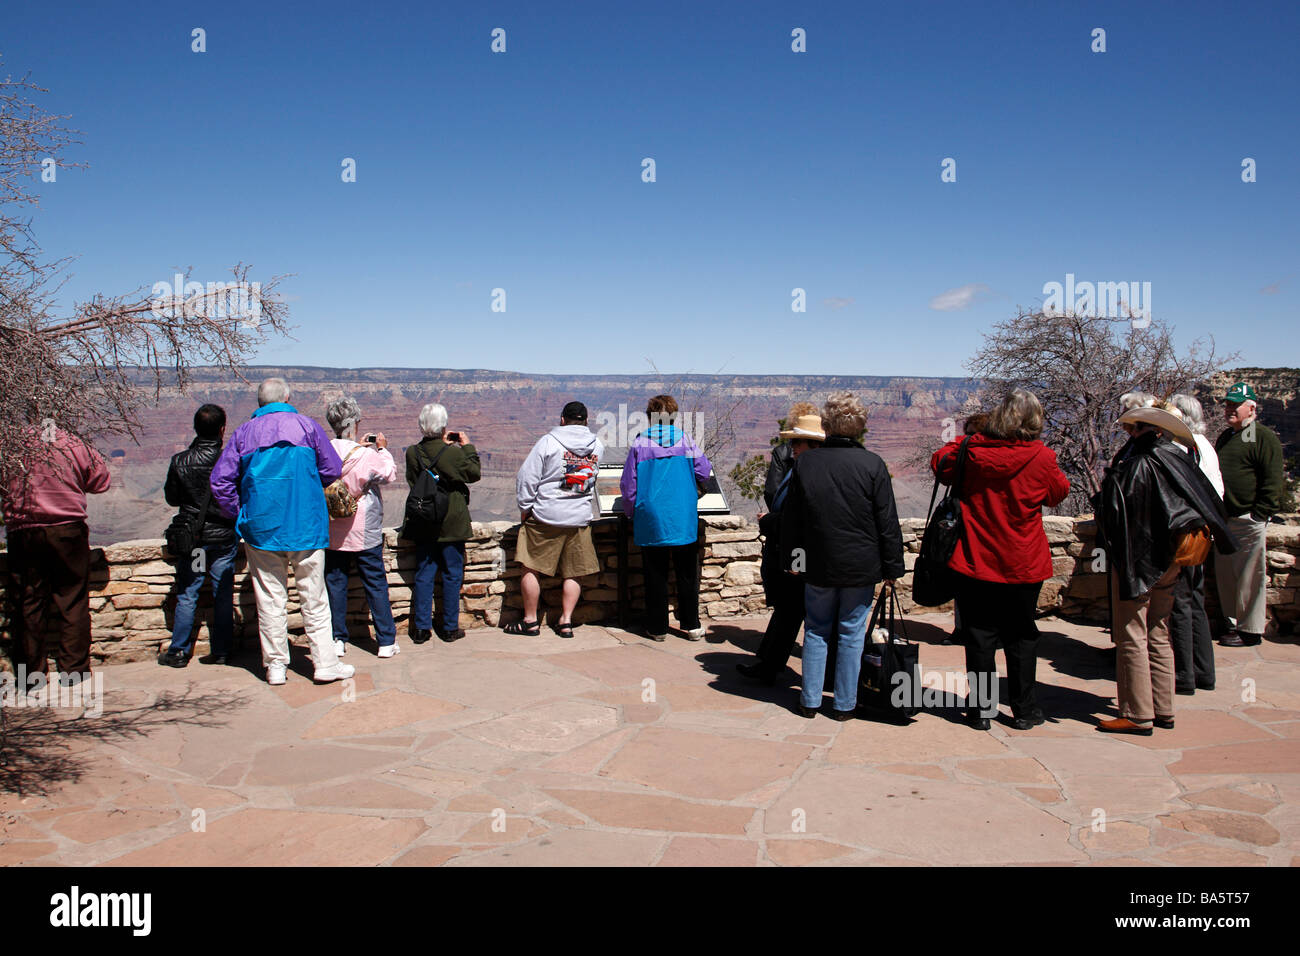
{"points": [[197, 528], [431, 467], [962, 454]]}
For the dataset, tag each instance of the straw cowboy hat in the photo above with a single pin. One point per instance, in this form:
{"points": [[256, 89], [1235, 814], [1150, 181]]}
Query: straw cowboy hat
{"points": [[806, 426], [1167, 421]]}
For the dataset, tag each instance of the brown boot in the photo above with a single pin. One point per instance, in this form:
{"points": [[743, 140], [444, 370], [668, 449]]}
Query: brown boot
{"points": [[1122, 725]]}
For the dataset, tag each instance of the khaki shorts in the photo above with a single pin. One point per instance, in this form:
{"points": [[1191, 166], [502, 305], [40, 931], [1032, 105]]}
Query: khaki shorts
{"points": [[548, 549]]}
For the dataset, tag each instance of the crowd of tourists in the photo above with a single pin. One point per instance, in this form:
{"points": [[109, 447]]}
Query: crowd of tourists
{"points": [[301, 499], [1168, 500]]}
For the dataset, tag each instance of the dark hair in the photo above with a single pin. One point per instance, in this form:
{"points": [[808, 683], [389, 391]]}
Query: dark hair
{"points": [[209, 420], [575, 412], [661, 408]]}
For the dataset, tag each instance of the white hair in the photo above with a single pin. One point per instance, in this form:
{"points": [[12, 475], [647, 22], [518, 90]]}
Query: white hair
{"points": [[433, 420], [1136, 399], [1190, 410], [343, 416], [273, 390]]}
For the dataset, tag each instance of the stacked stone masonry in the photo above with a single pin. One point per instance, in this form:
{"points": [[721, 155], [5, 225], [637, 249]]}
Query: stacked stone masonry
{"points": [[131, 583]]}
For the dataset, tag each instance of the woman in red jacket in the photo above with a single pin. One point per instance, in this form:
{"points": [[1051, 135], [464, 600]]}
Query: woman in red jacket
{"points": [[1002, 557]]}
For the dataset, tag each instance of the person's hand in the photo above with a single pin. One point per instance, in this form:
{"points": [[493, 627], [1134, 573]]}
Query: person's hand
{"points": [[380, 440], [462, 438]]}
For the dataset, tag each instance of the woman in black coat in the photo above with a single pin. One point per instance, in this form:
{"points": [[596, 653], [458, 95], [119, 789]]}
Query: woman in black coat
{"points": [[840, 532], [784, 592]]}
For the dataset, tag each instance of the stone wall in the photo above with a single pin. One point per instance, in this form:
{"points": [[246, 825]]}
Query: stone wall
{"points": [[131, 585], [131, 596], [1078, 590]]}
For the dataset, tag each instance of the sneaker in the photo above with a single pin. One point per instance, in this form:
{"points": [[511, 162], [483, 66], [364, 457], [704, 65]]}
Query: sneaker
{"points": [[275, 673], [657, 637], [390, 650], [340, 648], [449, 637], [1231, 639], [1250, 640], [697, 633], [175, 659], [324, 675]]}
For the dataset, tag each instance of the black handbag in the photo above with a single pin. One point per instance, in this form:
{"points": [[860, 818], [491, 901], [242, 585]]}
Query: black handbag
{"points": [[933, 582], [181, 536], [890, 680]]}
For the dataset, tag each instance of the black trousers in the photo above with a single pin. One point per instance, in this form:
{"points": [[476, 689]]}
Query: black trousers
{"points": [[993, 612], [784, 624], [48, 571], [783, 629], [686, 563], [1189, 631]]}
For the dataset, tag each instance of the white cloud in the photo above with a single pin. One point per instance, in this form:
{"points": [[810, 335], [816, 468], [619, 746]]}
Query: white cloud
{"points": [[959, 298], [837, 302]]}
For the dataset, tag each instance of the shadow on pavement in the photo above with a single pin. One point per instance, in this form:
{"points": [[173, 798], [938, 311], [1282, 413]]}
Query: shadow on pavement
{"points": [[42, 747]]}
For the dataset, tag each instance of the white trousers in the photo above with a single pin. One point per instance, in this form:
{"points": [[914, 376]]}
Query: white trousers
{"points": [[270, 573]]}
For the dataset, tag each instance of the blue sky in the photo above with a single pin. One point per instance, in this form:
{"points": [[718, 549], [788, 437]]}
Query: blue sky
{"points": [[775, 170]]}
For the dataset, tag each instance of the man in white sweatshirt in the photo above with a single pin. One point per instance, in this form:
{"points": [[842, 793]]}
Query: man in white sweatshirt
{"points": [[555, 487]]}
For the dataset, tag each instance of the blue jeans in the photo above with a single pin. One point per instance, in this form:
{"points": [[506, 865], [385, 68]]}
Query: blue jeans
{"points": [[370, 568], [824, 608], [220, 564], [444, 560]]}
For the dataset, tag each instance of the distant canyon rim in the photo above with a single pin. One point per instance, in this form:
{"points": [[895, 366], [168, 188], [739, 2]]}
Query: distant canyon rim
{"points": [[505, 413]]}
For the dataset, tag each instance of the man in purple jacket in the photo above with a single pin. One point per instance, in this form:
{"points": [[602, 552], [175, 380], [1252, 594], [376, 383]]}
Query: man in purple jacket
{"points": [[270, 478]]}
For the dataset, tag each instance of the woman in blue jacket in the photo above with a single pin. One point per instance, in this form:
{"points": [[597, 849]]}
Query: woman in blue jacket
{"points": [[659, 488]]}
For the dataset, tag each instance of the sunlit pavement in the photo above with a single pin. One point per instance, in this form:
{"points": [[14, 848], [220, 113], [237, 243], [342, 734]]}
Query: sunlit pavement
{"points": [[611, 750]]}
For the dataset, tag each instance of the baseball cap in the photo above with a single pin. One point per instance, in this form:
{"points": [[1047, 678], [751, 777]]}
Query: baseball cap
{"points": [[1241, 392], [574, 412]]}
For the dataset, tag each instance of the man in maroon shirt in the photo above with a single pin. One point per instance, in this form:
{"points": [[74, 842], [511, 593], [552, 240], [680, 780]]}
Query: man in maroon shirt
{"points": [[49, 552]]}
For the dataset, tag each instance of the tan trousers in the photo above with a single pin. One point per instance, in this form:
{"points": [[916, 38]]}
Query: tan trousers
{"points": [[1243, 576], [270, 573], [1144, 653]]}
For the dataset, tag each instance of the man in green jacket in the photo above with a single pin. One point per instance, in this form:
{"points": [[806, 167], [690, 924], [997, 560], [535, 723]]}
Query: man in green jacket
{"points": [[456, 464], [1250, 457]]}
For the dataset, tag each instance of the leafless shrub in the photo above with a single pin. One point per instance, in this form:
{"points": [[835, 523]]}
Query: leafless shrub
{"points": [[1079, 366], [89, 369]]}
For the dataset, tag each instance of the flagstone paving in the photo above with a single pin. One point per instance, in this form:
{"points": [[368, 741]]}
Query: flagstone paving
{"points": [[611, 750]]}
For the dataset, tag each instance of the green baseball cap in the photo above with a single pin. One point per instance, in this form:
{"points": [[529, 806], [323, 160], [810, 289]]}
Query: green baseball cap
{"points": [[1241, 392]]}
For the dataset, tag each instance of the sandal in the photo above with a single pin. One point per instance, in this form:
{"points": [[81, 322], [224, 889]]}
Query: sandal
{"points": [[526, 628], [564, 630]]}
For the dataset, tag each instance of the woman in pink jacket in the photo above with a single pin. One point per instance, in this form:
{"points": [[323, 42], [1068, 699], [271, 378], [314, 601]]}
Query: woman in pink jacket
{"points": [[366, 466]]}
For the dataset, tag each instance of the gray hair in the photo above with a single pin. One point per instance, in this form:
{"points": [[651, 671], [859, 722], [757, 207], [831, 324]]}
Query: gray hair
{"points": [[273, 390], [1191, 411], [1136, 399], [343, 415], [433, 420], [843, 416]]}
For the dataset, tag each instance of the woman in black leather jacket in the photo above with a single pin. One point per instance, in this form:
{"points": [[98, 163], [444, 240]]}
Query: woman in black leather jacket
{"points": [[215, 542]]}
